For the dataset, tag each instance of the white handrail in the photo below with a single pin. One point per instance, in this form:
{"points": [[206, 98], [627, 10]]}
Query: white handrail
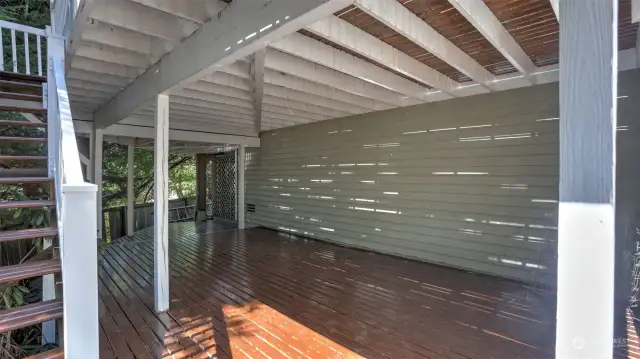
{"points": [[76, 214], [27, 33]]}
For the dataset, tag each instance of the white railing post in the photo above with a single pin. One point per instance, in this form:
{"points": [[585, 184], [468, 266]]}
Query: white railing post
{"points": [[79, 254]]}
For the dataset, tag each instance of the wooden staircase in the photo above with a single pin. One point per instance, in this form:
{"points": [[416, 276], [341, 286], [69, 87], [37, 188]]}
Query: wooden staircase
{"points": [[24, 94]]}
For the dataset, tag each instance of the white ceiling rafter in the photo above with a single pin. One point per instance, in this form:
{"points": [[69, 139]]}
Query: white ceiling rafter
{"points": [[346, 35], [305, 86], [317, 52], [237, 32], [555, 4], [483, 19], [303, 97], [142, 19], [293, 65], [197, 11], [399, 18]]}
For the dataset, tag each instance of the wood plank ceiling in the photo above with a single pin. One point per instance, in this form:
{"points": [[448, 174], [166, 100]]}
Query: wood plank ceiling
{"points": [[308, 75]]}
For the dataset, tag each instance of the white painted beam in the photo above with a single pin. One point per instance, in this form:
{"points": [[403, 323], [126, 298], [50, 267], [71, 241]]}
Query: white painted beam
{"points": [[227, 80], [221, 90], [299, 96], [257, 73], [396, 16], [130, 190], [106, 53], [78, 24], [194, 10], [289, 82], [142, 131], [586, 223], [483, 19], [161, 206], [103, 67], [128, 40], [139, 18], [344, 34], [293, 65], [635, 11], [317, 52], [83, 75], [241, 28]]}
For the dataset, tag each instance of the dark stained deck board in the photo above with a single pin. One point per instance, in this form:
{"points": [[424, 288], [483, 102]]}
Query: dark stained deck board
{"points": [[263, 294]]}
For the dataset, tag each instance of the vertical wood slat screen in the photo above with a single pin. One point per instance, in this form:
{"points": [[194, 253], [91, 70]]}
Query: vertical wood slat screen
{"points": [[470, 183]]}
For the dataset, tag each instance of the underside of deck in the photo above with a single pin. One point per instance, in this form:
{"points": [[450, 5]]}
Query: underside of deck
{"points": [[262, 294]]}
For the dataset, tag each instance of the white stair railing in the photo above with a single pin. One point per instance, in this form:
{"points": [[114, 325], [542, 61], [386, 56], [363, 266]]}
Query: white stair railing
{"points": [[76, 212], [17, 42]]}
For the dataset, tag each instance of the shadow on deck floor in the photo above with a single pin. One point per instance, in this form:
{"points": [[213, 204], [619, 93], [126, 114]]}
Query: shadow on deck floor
{"points": [[263, 294]]}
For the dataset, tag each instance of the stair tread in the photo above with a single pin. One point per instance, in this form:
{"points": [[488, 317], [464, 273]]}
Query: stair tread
{"points": [[18, 272], [20, 87], [22, 123], [8, 75], [38, 110], [23, 172], [27, 233], [22, 139], [22, 157], [30, 314], [12, 180], [20, 96], [26, 204], [57, 353]]}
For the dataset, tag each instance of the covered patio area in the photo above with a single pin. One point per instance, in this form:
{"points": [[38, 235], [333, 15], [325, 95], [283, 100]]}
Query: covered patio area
{"points": [[258, 293]]}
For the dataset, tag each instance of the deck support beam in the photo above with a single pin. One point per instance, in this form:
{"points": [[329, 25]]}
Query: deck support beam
{"points": [[240, 186], [130, 192], [161, 205], [242, 28], [586, 225], [96, 156]]}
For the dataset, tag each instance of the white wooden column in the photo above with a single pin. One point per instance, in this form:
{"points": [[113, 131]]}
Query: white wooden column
{"points": [[586, 234], [130, 192], [97, 174], [92, 156], [240, 185], [161, 205]]}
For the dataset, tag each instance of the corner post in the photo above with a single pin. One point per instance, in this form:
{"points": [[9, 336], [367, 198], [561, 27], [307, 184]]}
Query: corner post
{"points": [[130, 192], [586, 223], [161, 205], [80, 272], [97, 174]]}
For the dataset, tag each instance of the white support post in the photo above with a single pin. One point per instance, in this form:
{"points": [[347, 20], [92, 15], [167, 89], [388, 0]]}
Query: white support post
{"points": [[130, 192], [80, 272], [586, 231], [97, 176], [240, 185], [92, 156], [161, 205]]}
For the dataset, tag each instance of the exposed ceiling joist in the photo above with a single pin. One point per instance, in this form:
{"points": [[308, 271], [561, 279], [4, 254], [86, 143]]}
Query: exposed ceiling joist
{"points": [[483, 19], [124, 39], [257, 73], [142, 19], [396, 16], [302, 85], [194, 10], [103, 67], [301, 106], [242, 28], [346, 35], [105, 53], [303, 97], [83, 75], [224, 79], [317, 52], [293, 65], [221, 90]]}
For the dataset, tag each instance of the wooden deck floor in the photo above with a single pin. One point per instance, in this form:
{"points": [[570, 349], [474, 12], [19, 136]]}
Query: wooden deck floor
{"points": [[262, 294]]}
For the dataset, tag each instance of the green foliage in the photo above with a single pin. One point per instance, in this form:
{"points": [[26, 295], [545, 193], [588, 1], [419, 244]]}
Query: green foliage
{"points": [[33, 13], [182, 175]]}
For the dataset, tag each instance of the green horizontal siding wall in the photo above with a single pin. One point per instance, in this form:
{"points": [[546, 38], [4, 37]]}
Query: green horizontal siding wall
{"points": [[470, 183]]}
